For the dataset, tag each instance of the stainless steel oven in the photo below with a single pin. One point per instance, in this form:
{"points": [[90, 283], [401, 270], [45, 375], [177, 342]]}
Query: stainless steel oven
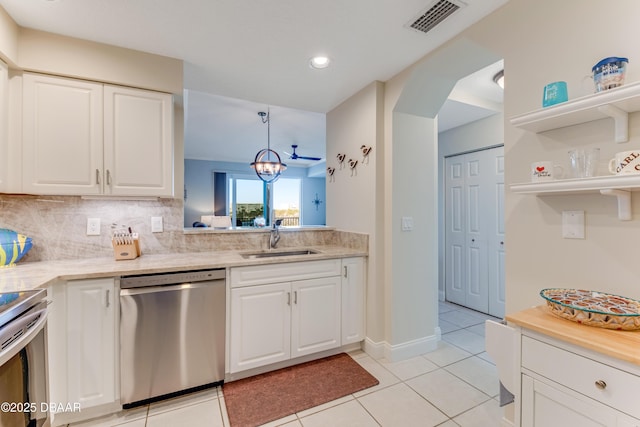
{"points": [[23, 375]]}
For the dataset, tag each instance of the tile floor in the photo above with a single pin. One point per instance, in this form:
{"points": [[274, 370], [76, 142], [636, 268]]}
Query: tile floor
{"points": [[456, 385]]}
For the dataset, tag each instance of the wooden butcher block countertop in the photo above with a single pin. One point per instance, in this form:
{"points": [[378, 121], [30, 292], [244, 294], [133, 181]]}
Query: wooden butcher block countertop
{"points": [[623, 345]]}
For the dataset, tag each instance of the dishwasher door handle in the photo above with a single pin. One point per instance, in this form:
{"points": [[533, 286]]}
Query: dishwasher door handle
{"points": [[169, 288]]}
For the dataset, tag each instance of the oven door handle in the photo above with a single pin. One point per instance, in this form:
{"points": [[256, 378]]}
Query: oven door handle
{"points": [[17, 334]]}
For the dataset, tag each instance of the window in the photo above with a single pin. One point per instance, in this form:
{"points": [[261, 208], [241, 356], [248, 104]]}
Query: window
{"points": [[247, 200], [286, 201]]}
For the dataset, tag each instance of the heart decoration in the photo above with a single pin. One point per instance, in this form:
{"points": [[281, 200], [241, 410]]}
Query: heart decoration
{"points": [[539, 168]]}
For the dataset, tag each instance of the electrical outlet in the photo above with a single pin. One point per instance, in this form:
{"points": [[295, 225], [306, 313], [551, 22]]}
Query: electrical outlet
{"points": [[573, 224], [156, 224], [93, 226]]}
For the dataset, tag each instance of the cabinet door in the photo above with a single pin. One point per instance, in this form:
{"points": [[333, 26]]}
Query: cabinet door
{"points": [[138, 142], [315, 311], [91, 342], [62, 136], [260, 326], [353, 300], [544, 405]]}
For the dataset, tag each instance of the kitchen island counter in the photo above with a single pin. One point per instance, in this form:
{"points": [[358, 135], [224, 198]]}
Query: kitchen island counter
{"points": [[32, 275], [622, 345]]}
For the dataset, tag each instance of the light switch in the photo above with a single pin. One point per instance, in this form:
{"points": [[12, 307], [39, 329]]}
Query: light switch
{"points": [[156, 224], [407, 223], [573, 224]]}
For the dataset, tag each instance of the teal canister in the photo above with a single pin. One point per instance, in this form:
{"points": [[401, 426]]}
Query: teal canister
{"points": [[554, 93]]}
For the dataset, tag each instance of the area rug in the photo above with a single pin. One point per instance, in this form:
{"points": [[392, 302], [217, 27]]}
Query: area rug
{"points": [[267, 397]]}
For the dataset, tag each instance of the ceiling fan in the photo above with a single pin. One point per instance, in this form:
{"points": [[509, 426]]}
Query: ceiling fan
{"points": [[295, 156]]}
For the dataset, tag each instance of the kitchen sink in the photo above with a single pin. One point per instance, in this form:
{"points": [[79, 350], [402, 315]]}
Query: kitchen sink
{"points": [[270, 254]]}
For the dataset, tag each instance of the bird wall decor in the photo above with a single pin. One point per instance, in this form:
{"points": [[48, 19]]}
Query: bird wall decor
{"points": [[341, 158], [352, 166], [331, 171], [365, 153]]}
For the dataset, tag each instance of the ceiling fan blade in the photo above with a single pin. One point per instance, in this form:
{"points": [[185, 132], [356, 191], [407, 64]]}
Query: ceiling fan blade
{"points": [[308, 158]]}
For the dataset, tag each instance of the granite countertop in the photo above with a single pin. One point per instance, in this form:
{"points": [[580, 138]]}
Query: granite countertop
{"points": [[32, 275], [622, 345]]}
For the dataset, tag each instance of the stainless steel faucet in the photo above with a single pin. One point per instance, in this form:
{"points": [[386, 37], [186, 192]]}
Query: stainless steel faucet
{"points": [[275, 234]]}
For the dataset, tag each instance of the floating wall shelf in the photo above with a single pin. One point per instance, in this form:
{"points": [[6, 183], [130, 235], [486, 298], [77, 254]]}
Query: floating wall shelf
{"points": [[612, 185], [615, 103]]}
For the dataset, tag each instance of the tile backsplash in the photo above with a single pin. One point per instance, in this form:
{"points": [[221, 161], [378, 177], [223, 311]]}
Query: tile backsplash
{"points": [[58, 226]]}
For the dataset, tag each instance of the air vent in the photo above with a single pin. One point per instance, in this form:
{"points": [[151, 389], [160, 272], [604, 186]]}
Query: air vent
{"points": [[434, 15]]}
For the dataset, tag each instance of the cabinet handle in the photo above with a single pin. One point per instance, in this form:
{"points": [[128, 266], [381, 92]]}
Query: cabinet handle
{"points": [[108, 177], [601, 385], [97, 176], [288, 298], [473, 240], [345, 271], [295, 297], [107, 302]]}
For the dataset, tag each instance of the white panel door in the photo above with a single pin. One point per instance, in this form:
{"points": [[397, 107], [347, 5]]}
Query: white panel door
{"points": [[91, 342], [62, 136], [315, 311], [455, 230], [138, 142], [260, 326], [474, 230], [476, 274], [496, 236]]}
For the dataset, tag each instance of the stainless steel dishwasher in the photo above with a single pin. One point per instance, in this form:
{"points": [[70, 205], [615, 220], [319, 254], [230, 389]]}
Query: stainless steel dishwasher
{"points": [[172, 334]]}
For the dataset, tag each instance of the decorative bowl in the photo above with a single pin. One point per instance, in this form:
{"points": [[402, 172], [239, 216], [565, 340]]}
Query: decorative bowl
{"points": [[594, 308]]}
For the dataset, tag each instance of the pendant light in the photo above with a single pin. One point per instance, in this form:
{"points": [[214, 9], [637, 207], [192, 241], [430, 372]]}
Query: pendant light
{"points": [[267, 169]]}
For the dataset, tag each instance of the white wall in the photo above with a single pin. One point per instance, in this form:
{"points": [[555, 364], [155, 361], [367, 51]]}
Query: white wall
{"points": [[352, 200], [542, 42]]}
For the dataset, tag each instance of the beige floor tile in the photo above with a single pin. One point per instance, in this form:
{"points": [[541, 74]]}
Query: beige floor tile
{"points": [[131, 418], [468, 341], [461, 318], [477, 372], [383, 375], [349, 414], [399, 405], [446, 327], [289, 419], [446, 354], [202, 414], [181, 401], [409, 368], [484, 415], [324, 406], [448, 393], [451, 423]]}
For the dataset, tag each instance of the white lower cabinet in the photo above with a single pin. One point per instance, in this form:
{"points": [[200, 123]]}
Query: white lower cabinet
{"points": [[276, 322], [83, 347], [283, 311], [353, 300], [562, 388]]}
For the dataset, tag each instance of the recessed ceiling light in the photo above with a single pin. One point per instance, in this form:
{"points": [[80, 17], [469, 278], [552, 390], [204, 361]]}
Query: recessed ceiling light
{"points": [[319, 62]]}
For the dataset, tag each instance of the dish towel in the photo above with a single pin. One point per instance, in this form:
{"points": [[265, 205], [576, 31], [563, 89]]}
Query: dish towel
{"points": [[506, 396]]}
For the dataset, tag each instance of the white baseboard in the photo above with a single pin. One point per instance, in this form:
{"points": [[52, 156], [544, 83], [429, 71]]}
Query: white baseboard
{"points": [[407, 350]]}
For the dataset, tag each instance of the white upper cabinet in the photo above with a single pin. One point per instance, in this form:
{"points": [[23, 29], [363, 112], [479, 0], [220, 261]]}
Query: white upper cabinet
{"points": [[61, 136], [84, 138], [138, 135]]}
